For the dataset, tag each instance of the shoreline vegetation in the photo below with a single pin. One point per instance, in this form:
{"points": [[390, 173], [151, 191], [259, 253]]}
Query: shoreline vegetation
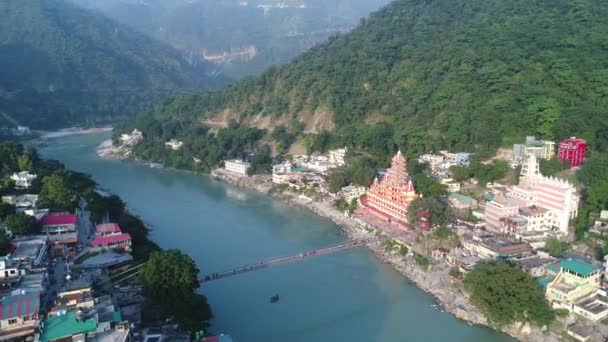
{"points": [[434, 279]]}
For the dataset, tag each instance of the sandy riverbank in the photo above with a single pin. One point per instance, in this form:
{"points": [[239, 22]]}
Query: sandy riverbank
{"points": [[434, 281], [72, 131]]}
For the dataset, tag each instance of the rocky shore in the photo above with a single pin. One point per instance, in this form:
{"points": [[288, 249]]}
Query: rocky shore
{"points": [[435, 280]]}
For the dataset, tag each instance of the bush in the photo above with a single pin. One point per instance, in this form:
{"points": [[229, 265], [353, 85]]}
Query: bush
{"points": [[505, 294], [422, 261]]}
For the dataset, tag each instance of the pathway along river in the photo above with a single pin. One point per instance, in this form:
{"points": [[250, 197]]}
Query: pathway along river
{"points": [[347, 296]]}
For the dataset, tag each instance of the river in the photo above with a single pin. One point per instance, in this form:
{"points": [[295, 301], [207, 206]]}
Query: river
{"points": [[347, 296]]}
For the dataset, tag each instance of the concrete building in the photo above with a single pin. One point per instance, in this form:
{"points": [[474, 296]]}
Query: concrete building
{"points": [[30, 252], [62, 232], [352, 192], [499, 208], [557, 196], [461, 204], [237, 166], [576, 280], [391, 196], [494, 248], [19, 316], [110, 236], [21, 202], [174, 144], [23, 179], [573, 151], [593, 308], [10, 274], [134, 138], [337, 156], [541, 149]]}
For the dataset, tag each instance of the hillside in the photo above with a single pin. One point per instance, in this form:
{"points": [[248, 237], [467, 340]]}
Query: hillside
{"points": [[62, 65], [424, 75], [240, 37]]}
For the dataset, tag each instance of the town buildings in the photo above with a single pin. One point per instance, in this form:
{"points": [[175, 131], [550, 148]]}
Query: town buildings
{"points": [[174, 144], [495, 248], [575, 280], [23, 180], [392, 195], [439, 164], [237, 166], [538, 204], [573, 151], [131, 139], [62, 232], [352, 192], [541, 149], [461, 204], [109, 235], [19, 316], [337, 156]]}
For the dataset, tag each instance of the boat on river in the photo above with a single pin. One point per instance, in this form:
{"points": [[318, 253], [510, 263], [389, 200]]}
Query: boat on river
{"points": [[275, 298]]}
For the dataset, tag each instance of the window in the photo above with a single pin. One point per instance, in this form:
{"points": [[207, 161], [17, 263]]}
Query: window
{"points": [[12, 321]]}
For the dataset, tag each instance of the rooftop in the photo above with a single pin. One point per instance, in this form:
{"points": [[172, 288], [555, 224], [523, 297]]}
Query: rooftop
{"points": [[532, 210], [544, 281], [594, 304], [59, 220], [461, 198], [19, 305], [105, 241], [66, 325], [578, 266], [105, 228]]}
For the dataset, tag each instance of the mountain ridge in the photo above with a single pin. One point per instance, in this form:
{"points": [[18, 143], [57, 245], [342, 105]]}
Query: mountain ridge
{"points": [[69, 66], [467, 75]]}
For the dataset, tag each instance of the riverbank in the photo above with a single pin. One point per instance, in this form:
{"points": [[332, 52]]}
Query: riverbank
{"points": [[434, 281], [72, 131]]}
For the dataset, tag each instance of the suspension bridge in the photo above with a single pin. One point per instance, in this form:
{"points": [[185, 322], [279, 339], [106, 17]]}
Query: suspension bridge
{"points": [[272, 262], [295, 258]]}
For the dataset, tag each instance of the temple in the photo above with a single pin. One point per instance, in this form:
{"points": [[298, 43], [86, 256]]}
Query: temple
{"points": [[391, 195]]}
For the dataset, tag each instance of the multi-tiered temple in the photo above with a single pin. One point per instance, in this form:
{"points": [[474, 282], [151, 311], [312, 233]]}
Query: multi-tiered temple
{"points": [[391, 195]]}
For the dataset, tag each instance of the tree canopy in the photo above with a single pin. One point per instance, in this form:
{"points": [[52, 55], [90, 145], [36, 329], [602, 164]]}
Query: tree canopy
{"points": [[507, 295], [22, 224], [170, 279]]}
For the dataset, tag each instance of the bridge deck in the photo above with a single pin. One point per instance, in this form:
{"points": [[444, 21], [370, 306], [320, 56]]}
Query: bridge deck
{"points": [[294, 258]]}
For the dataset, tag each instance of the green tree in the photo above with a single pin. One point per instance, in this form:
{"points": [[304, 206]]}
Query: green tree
{"points": [[24, 162], [5, 243], [550, 167], [440, 212], [170, 279], [6, 209], [337, 179], [505, 294], [22, 224], [56, 195], [547, 113], [555, 247]]}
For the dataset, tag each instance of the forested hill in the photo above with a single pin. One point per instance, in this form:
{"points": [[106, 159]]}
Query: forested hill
{"points": [[430, 74], [62, 65]]}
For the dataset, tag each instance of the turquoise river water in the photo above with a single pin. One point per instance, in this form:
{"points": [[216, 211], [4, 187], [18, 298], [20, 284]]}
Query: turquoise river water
{"points": [[347, 296]]}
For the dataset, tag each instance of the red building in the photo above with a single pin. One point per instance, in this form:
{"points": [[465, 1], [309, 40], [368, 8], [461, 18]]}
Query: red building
{"points": [[109, 235], [391, 195], [573, 151]]}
